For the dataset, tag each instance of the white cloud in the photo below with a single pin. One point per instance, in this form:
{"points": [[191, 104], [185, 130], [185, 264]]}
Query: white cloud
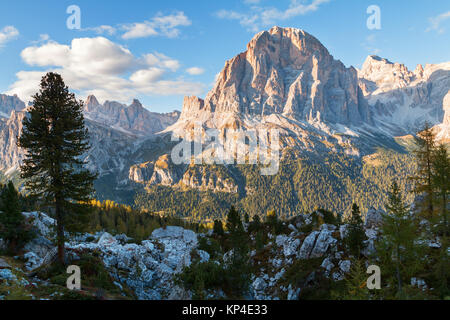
{"points": [[103, 29], [159, 59], [7, 34], [159, 25], [147, 75], [195, 71], [435, 22], [89, 56], [101, 67], [42, 38], [261, 17]]}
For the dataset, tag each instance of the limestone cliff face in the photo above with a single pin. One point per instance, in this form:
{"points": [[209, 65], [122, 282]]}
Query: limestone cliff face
{"points": [[380, 75], [287, 74], [160, 172], [134, 119], [142, 172], [9, 104], [206, 178], [401, 100], [443, 130], [10, 129], [164, 172], [284, 71], [446, 107]]}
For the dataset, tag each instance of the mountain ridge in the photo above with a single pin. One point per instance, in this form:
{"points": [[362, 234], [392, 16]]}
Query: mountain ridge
{"points": [[286, 80]]}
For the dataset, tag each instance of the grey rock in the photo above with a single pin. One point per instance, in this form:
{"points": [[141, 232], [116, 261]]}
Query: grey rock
{"points": [[4, 264], [204, 256], [327, 264], [345, 266], [343, 229], [324, 241], [374, 219], [308, 245], [33, 261], [39, 246], [107, 240], [293, 294], [6, 274]]}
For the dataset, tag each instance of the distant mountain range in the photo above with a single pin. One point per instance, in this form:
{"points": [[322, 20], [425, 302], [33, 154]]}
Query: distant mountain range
{"points": [[285, 80]]}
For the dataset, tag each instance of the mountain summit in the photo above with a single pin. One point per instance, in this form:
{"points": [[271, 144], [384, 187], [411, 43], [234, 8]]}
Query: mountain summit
{"points": [[288, 72], [288, 77]]}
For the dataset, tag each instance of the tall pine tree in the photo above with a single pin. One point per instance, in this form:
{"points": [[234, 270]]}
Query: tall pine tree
{"points": [[399, 249], [356, 235], [440, 179], [425, 144], [238, 272], [55, 138]]}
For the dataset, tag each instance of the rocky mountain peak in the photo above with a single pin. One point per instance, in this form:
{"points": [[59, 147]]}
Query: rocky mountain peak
{"points": [[9, 104], [284, 71], [385, 73], [419, 71], [91, 103], [136, 105]]}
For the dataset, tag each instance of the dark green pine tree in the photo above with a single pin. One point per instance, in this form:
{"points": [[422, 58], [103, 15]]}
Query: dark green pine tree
{"points": [[218, 228], [234, 222], [238, 269], [425, 146], [356, 235], [55, 138], [13, 228], [440, 179], [399, 248]]}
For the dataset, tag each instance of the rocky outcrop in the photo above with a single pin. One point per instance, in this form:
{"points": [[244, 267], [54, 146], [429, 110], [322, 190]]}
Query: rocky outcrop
{"points": [[374, 219], [148, 269], [212, 178], [141, 173]]}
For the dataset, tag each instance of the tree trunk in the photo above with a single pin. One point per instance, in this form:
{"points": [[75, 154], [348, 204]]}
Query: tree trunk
{"points": [[399, 278], [444, 213], [429, 181], [60, 231]]}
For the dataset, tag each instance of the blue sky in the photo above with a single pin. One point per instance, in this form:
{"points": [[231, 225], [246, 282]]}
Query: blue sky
{"points": [[160, 51]]}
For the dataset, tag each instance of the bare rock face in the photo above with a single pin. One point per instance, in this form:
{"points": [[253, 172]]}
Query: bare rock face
{"points": [[443, 130], [134, 119], [381, 75], [400, 100], [142, 172], [164, 172], [207, 178], [9, 104], [10, 129], [160, 172], [446, 107], [287, 75], [284, 71]]}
